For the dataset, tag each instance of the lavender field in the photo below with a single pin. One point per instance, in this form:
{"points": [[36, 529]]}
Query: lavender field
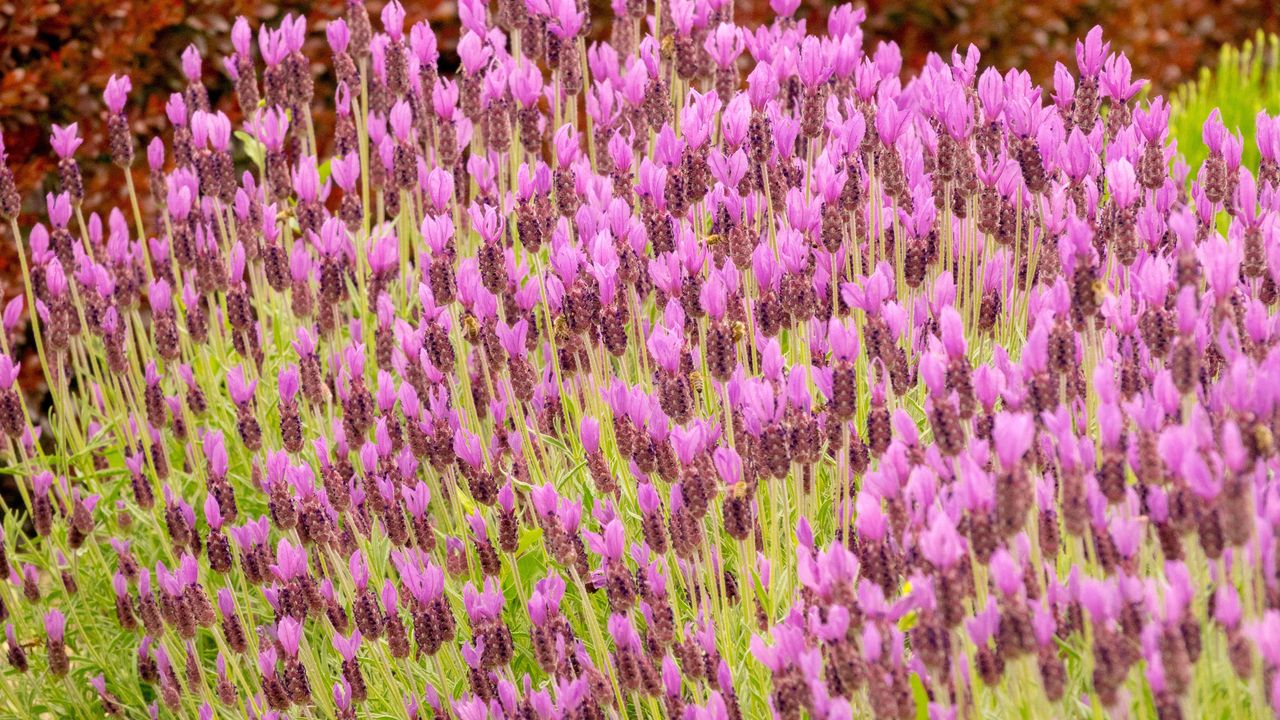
{"points": [[715, 372]]}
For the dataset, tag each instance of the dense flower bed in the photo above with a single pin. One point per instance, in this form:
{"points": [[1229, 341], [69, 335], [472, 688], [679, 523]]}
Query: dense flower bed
{"points": [[613, 379]]}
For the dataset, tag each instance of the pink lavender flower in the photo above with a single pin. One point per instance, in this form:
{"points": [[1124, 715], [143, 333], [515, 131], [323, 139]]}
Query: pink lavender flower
{"points": [[55, 624], [117, 92]]}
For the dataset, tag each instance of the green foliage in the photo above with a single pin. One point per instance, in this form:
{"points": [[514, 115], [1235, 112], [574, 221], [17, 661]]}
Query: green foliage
{"points": [[1245, 81]]}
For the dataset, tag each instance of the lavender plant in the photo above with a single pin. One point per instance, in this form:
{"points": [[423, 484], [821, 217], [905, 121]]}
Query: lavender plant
{"points": [[711, 372]]}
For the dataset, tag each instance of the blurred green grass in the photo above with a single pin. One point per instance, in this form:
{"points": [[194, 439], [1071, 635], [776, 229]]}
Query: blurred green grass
{"points": [[1245, 81]]}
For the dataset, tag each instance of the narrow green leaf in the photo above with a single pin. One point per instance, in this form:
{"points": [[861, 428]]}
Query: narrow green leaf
{"points": [[256, 151]]}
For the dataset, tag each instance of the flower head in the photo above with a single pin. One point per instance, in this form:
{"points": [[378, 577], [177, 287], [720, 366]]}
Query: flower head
{"points": [[117, 93], [55, 624], [65, 140]]}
